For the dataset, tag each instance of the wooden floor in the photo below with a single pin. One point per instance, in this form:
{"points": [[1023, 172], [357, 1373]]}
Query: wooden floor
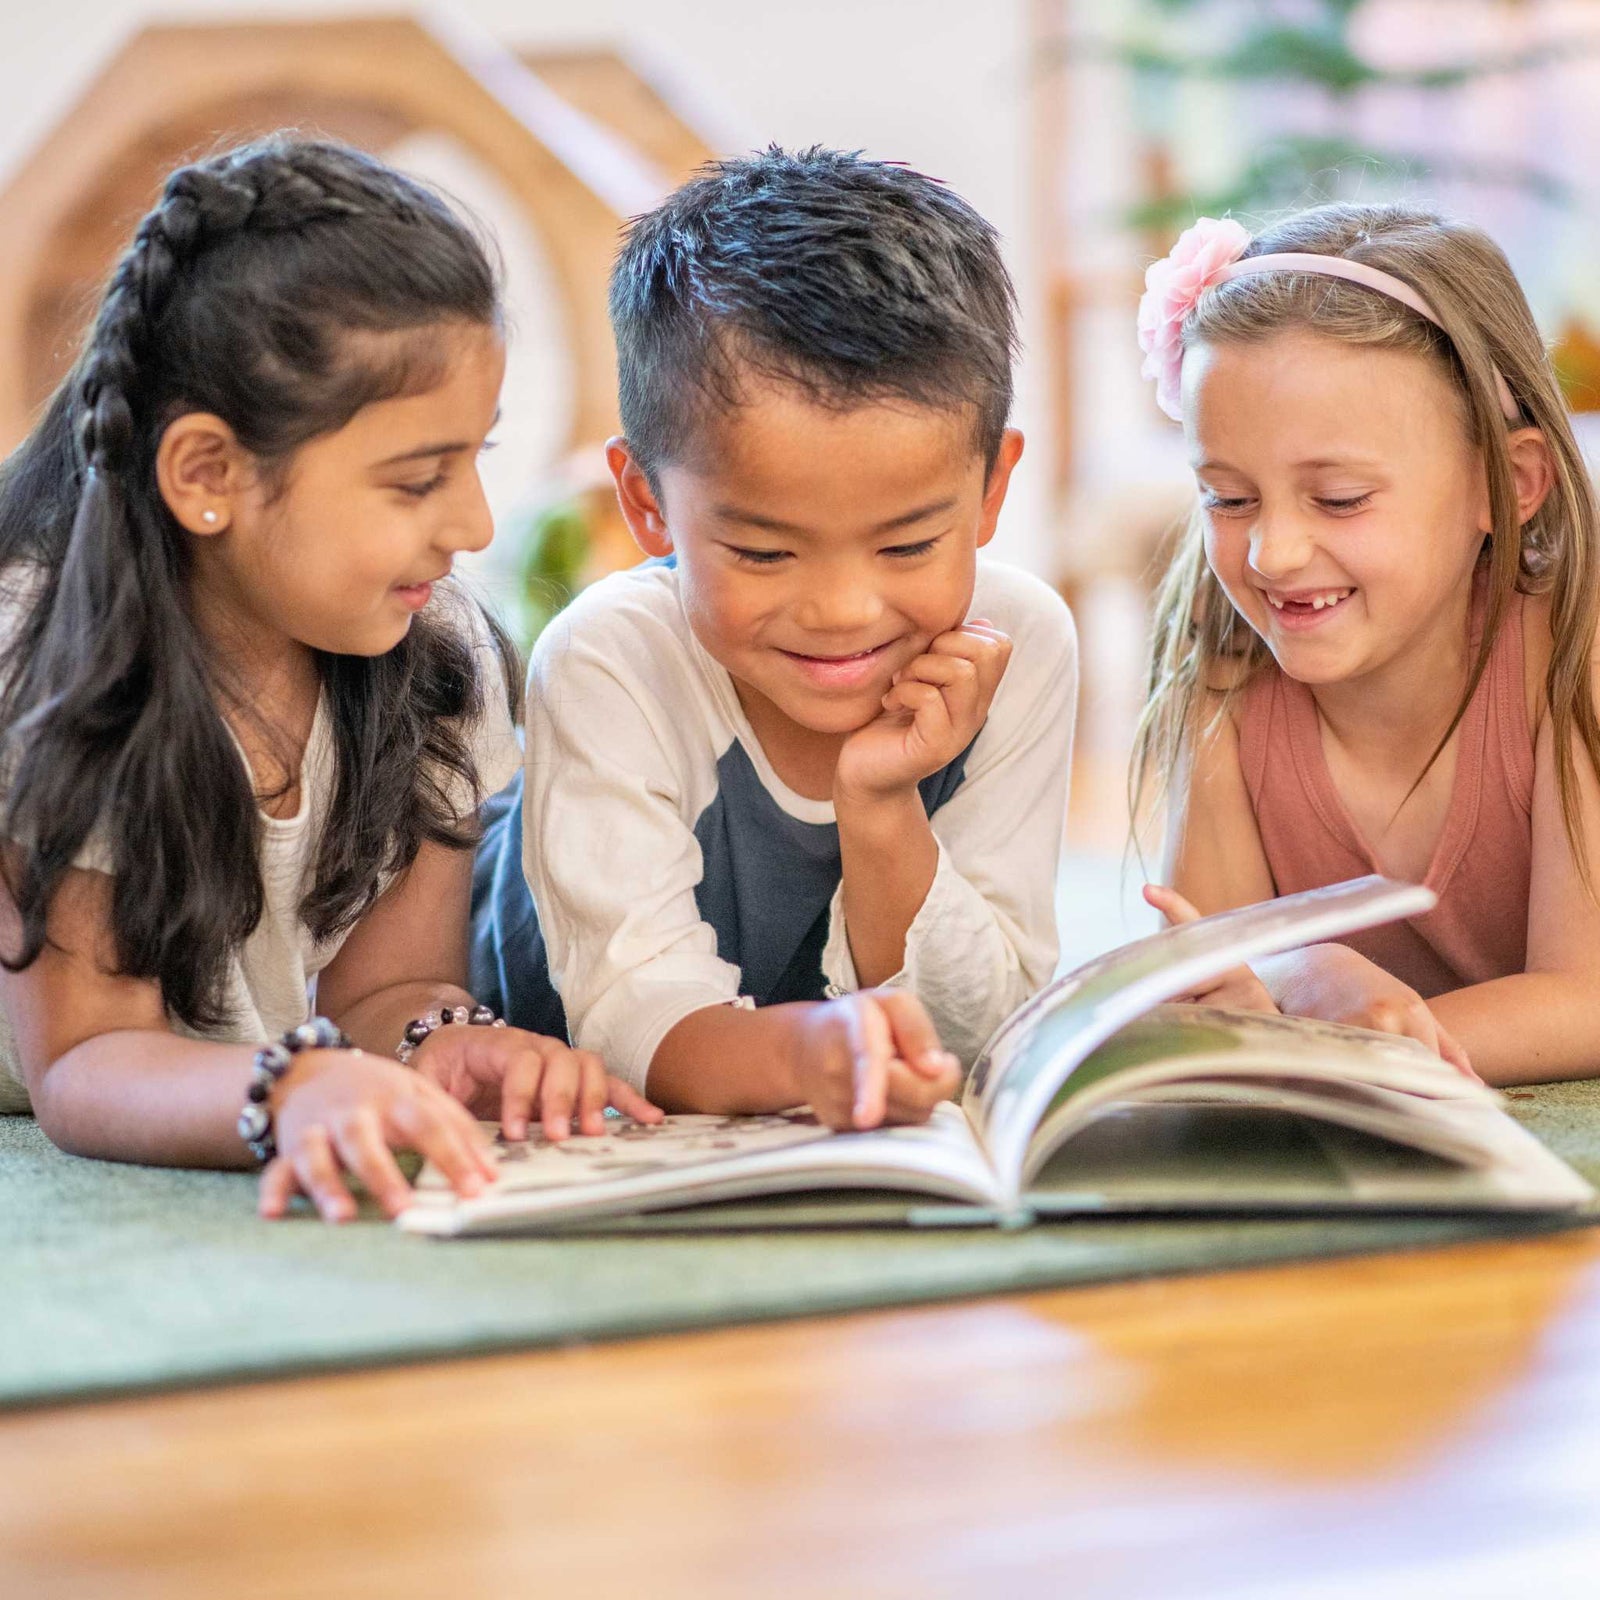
{"points": [[1424, 1424]]}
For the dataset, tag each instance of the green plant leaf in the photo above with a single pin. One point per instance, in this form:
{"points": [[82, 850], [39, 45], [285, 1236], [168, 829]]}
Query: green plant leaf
{"points": [[558, 542], [1316, 53], [1292, 173]]}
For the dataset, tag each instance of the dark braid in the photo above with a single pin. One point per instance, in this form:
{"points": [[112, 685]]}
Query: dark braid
{"points": [[257, 188], [236, 296]]}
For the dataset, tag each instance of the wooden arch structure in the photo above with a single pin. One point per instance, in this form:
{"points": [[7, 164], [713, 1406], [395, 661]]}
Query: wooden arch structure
{"points": [[580, 141]]}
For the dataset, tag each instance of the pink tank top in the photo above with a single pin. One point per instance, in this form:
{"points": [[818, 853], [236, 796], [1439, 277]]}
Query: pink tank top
{"points": [[1481, 864]]}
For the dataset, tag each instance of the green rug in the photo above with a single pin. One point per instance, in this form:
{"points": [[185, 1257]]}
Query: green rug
{"points": [[117, 1278]]}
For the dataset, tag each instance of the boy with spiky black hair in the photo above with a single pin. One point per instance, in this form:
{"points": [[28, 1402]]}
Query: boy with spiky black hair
{"points": [[794, 790]]}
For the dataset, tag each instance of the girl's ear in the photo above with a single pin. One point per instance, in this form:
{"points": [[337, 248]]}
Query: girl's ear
{"points": [[199, 471], [1532, 470], [640, 508]]}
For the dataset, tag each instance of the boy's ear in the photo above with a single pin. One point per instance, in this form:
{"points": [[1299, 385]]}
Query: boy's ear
{"points": [[200, 471], [994, 491], [640, 509]]}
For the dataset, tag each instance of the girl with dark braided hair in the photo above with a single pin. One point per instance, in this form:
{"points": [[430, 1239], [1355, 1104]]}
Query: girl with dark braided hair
{"points": [[246, 718]]}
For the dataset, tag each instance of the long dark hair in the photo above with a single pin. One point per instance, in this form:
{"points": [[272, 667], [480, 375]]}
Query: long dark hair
{"points": [[237, 297]]}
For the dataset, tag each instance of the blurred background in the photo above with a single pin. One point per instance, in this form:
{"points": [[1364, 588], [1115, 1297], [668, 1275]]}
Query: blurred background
{"points": [[1089, 131]]}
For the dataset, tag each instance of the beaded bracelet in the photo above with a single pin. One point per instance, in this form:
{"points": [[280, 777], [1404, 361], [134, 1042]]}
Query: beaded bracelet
{"points": [[429, 1022], [272, 1061]]}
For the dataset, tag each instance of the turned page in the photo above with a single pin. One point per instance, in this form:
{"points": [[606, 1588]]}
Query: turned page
{"points": [[1034, 1053]]}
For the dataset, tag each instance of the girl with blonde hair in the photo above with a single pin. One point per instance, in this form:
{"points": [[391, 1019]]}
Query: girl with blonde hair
{"points": [[1374, 645]]}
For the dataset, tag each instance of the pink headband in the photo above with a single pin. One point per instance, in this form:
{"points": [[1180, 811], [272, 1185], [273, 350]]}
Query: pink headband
{"points": [[1210, 253]]}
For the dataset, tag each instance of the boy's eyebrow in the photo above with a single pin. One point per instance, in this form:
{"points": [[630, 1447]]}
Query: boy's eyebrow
{"points": [[905, 519], [452, 447], [933, 508]]}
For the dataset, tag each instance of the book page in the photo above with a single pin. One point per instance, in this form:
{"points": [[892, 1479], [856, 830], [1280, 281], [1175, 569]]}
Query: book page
{"points": [[1037, 1049], [1192, 1159], [1198, 1056], [1210, 1070], [1453, 1133], [629, 1149], [687, 1159], [1181, 1043]]}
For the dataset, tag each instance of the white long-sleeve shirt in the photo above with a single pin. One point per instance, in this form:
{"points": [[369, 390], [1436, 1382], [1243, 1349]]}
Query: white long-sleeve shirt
{"points": [[673, 869]]}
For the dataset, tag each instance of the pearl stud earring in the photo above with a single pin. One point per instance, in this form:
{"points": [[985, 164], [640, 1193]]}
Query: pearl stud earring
{"points": [[208, 517]]}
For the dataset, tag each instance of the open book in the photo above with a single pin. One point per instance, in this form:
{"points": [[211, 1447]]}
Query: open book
{"points": [[1092, 1097]]}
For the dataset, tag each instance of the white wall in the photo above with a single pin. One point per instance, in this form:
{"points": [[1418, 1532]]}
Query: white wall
{"points": [[940, 84]]}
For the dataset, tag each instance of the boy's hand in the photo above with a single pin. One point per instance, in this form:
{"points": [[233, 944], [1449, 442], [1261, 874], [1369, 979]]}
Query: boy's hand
{"points": [[931, 713], [508, 1073], [872, 1057]]}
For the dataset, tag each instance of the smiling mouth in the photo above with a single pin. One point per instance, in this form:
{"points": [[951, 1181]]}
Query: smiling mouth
{"points": [[850, 671], [1308, 602], [836, 661], [414, 596]]}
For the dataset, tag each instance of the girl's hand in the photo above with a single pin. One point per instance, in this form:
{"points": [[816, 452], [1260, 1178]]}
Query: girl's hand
{"points": [[932, 712], [1338, 984], [1237, 990], [507, 1072], [872, 1057], [338, 1112], [1331, 982]]}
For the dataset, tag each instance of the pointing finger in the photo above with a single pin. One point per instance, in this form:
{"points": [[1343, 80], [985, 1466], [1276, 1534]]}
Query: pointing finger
{"points": [[871, 1050], [1170, 904]]}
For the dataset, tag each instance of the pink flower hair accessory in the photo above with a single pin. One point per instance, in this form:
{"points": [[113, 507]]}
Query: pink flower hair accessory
{"points": [[1171, 288], [1210, 253]]}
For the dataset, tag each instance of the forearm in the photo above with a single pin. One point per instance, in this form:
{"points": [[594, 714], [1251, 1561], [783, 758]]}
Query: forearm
{"points": [[159, 1098], [376, 1021], [728, 1060], [147, 1096], [888, 858], [1532, 1027], [973, 953]]}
